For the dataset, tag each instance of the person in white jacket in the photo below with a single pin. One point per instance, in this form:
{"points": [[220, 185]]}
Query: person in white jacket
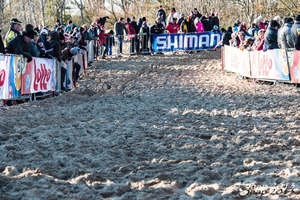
{"points": [[173, 14]]}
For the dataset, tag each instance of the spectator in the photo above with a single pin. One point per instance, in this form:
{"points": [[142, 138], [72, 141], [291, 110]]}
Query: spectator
{"points": [[214, 20], [215, 29], [278, 19], [199, 26], [145, 35], [119, 31], [69, 28], [157, 28], [161, 14], [173, 27], [32, 46], [226, 36], [188, 26], [55, 42], [253, 30], [131, 34], [285, 38], [103, 20], [271, 36], [247, 44], [110, 41], [205, 22], [139, 23], [14, 31], [57, 24], [297, 44], [233, 42], [2, 49], [137, 30], [19, 45], [261, 23], [44, 46], [196, 14], [229, 29], [172, 14], [102, 41], [259, 41], [295, 26], [180, 20]]}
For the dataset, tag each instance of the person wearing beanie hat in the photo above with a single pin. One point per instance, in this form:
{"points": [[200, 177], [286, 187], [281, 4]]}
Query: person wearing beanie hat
{"points": [[271, 35], [285, 38], [32, 45], [295, 26], [19, 45], [15, 30]]}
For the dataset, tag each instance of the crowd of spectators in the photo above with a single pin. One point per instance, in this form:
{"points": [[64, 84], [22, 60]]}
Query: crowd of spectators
{"points": [[264, 34]]}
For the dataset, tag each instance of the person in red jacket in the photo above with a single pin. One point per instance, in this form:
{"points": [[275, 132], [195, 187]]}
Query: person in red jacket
{"points": [[102, 40], [131, 34], [173, 27], [259, 41]]}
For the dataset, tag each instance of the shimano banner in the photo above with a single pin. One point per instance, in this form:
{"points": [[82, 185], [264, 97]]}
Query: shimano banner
{"points": [[180, 41]]}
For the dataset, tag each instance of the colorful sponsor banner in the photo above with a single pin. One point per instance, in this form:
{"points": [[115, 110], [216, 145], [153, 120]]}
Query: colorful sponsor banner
{"points": [[16, 64], [237, 61], [4, 73], [295, 67], [10, 76], [38, 76], [271, 65], [175, 42]]}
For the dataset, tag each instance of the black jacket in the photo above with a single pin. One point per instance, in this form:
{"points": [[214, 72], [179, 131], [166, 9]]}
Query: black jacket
{"points": [[18, 46], [2, 49], [54, 41]]}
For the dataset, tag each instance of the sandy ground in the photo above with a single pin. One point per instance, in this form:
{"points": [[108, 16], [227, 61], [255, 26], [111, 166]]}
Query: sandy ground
{"points": [[154, 127]]}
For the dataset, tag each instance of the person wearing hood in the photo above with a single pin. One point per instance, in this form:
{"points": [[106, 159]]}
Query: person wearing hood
{"points": [[285, 38], [271, 35], [259, 41], [44, 46]]}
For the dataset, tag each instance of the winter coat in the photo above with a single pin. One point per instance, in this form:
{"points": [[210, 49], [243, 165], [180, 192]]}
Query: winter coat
{"points": [[54, 41], [18, 46], [11, 34], [199, 27], [188, 26], [285, 38], [119, 29], [295, 26], [162, 14], [157, 28], [271, 36], [173, 28]]}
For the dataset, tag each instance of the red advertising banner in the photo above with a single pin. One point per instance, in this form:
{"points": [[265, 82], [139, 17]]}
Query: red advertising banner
{"points": [[295, 67], [38, 76]]}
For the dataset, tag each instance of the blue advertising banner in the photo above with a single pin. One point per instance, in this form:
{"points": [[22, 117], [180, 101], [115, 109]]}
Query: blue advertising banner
{"points": [[180, 41]]}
